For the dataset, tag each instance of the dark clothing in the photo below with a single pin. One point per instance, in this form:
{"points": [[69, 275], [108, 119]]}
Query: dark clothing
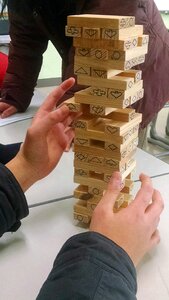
{"points": [[89, 266], [13, 205], [7, 152], [33, 23]]}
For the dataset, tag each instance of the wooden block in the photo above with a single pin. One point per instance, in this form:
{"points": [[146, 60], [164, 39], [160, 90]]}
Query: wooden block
{"points": [[101, 73], [136, 74], [114, 93], [82, 218], [124, 115], [73, 31], [81, 192], [122, 45], [97, 192], [122, 83], [91, 33], [99, 96], [122, 127], [115, 34], [127, 55], [84, 122], [81, 141], [128, 186], [100, 110], [101, 21], [143, 40], [81, 207], [110, 63]]}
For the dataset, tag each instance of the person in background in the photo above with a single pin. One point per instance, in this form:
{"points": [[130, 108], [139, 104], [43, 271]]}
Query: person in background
{"points": [[34, 22], [100, 263], [3, 67]]}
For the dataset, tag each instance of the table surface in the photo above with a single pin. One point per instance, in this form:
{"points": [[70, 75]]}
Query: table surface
{"points": [[26, 257]]}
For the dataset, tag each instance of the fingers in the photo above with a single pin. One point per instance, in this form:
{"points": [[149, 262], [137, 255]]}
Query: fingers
{"points": [[7, 110], [112, 192], [56, 94], [155, 209], [144, 195]]}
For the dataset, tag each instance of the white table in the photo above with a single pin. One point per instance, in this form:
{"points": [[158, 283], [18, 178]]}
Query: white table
{"points": [[26, 256]]}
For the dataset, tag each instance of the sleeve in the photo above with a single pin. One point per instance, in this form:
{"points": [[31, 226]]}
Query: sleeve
{"points": [[90, 266], [13, 205], [27, 46]]}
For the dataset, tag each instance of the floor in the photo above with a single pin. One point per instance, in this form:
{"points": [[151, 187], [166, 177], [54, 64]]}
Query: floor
{"points": [[160, 127]]}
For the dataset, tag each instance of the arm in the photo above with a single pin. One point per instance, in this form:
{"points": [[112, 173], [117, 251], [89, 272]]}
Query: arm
{"points": [[100, 264], [25, 59], [46, 140]]}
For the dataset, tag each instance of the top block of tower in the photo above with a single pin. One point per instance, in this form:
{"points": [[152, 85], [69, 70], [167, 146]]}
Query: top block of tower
{"points": [[102, 21]]}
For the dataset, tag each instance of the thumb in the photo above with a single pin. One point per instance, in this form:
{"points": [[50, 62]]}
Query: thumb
{"points": [[113, 189]]}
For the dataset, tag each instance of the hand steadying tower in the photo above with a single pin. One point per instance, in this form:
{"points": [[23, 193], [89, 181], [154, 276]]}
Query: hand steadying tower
{"points": [[106, 134]]}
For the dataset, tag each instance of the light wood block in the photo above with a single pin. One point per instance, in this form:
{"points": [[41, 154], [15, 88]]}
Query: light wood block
{"points": [[115, 34], [100, 110], [101, 21], [122, 45], [99, 54], [110, 63], [136, 74], [76, 107], [114, 93], [82, 70], [101, 73], [127, 55], [119, 82]]}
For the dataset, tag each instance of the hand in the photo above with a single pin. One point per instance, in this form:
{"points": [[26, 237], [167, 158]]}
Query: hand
{"points": [[7, 110], [133, 228], [46, 139]]}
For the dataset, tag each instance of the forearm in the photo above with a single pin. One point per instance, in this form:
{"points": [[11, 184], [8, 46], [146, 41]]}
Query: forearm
{"points": [[23, 172], [90, 266], [13, 205]]}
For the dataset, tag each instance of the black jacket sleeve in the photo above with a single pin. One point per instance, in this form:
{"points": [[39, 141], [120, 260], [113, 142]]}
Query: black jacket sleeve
{"points": [[90, 266], [13, 205]]}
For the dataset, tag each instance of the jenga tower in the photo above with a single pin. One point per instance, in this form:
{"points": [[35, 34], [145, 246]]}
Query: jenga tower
{"points": [[106, 135]]}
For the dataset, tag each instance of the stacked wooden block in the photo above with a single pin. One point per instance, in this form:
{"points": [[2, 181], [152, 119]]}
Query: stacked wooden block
{"points": [[106, 134]]}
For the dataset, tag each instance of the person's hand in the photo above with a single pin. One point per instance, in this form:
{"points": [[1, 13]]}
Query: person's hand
{"points": [[133, 228], [7, 110], [47, 138]]}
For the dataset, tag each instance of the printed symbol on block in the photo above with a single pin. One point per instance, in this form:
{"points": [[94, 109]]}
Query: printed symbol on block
{"points": [[130, 84], [81, 172], [82, 71], [109, 33], [127, 44], [99, 73], [81, 156], [126, 102], [72, 107], [74, 31], [107, 178], [95, 191], [86, 196], [99, 54], [80, 124], [83, 51], [112, 147], [111, 162], [122, 23], [134, 42], [112, 130], [98, 92], [115, 94], [95, 160], [90, 32], [123, 154], [81, 141], [116, 55], [97, 109]]}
